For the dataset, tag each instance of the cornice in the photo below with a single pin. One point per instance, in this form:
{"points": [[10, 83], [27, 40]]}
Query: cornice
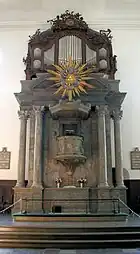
{"points": [[113, 14], [94, 24]]}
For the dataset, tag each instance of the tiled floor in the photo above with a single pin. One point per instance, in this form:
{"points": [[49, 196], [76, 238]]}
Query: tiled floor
{"points": [[56, 251]]}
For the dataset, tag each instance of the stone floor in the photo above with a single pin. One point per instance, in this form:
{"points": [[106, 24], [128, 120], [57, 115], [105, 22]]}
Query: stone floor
{"points": [[56, 251]]}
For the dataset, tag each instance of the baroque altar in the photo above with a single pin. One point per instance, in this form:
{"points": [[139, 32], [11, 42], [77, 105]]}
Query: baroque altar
{"points": [[68, 101]]}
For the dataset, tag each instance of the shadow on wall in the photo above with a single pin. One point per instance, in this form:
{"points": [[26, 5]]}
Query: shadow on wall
{"points": [[126, 175]]}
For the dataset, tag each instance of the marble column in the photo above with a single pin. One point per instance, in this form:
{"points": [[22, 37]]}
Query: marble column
{"points": [[102, 177], [108, 147], [116, 115], [37, 174], [31, 147], [23, 116]]}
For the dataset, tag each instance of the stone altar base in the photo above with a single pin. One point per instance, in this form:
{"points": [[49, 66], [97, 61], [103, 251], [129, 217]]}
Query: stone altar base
{"points": [[70, 200], [25, 194]]}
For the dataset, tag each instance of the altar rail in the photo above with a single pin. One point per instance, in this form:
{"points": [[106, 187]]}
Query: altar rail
{"points": [[84, 206]]}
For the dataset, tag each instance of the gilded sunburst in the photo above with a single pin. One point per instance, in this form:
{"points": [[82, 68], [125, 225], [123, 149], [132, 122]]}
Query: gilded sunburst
{"points": [[70, 78]]}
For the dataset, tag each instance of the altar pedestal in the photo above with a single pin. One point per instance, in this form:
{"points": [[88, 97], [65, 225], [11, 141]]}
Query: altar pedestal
{"points": [[68, 200]]}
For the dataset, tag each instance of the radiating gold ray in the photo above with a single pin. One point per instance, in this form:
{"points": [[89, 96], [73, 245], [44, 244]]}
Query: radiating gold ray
{"points": [[79, 91], [77, 65], [59, 89], [82, 89], [81, 68], [56, 84], [54, 78], [70, 95], [70, 62], [86, 84], [54, 73], [86, 78], [73, 92], [64, 92], [86, 72], [76, 91], [63, 67], [58, 67], [73, 82]]}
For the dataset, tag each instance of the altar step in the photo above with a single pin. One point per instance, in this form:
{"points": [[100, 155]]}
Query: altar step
{"points": [[66, 217], [69, 238]]}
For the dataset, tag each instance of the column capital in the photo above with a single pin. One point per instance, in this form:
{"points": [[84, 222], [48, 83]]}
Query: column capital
{"points": [[31, 113], [108, 111], [38, 109], [101, 110], [117, 114], [23, 114]]}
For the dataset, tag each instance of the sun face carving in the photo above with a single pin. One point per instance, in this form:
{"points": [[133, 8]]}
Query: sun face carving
{"points": [[70, 79]]}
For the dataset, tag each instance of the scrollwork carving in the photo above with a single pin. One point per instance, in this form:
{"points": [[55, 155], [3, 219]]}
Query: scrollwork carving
{"points": [[106, 34], [35, 36], [68, 20], [136, 149], [113, 63]]}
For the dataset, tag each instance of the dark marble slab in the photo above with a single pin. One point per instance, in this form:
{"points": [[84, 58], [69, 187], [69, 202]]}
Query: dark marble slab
{"points": [[57, 251]]}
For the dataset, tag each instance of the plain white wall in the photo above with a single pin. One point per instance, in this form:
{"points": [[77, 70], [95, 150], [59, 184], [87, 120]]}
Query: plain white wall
{"points": [[126, 47], [13, 46]]}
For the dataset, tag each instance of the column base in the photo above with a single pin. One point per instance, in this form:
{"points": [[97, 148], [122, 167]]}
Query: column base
{"points": [[37, 186], [103, 185], [29, 185], [120, 186], [20, 185]]}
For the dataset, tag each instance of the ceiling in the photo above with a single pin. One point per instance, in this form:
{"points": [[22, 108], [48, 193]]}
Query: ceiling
{"points": [[37, 12]]}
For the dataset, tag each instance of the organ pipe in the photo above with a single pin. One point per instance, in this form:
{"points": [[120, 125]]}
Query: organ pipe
{"points": [[70, 46]]}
